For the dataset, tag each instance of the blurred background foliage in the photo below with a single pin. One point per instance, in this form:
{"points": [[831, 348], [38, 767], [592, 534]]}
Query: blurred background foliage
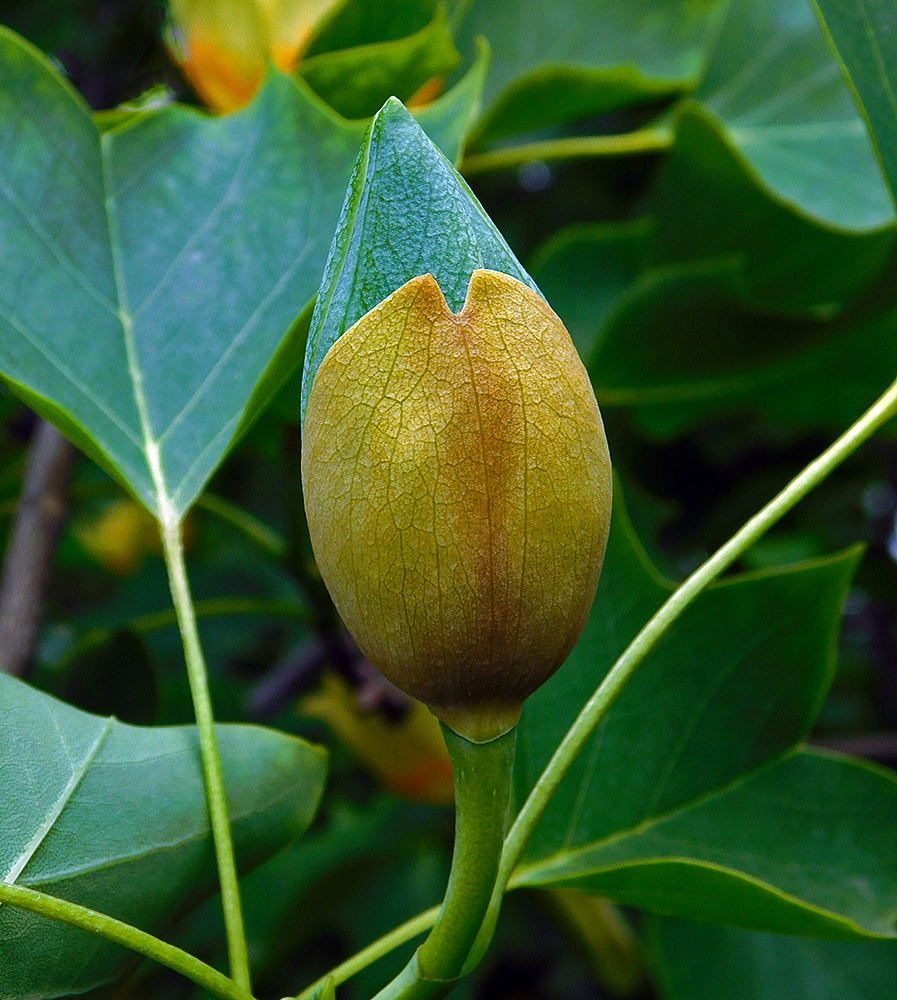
{"points": [[731, 292]]}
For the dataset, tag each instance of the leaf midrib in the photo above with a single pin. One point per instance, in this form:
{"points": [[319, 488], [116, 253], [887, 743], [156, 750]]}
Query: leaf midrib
{"points": [[165, 510], [57, 808], [565, 856], [67, 874]]}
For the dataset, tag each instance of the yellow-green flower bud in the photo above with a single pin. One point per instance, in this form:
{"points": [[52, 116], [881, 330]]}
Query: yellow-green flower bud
{"points": [[458, 491]]}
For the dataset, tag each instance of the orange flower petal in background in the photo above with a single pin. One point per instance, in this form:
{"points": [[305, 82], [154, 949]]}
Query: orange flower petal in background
{"points": [[120, 537], [291, 24], [224, 47], [408, 757], [426, 93]]}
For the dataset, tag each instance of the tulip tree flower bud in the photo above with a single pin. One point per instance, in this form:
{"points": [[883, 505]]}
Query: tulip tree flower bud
{"points": [[458, 491]]}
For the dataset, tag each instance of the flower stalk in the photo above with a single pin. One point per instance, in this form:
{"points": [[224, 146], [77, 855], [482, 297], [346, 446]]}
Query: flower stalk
{"points": [[482, 774]]}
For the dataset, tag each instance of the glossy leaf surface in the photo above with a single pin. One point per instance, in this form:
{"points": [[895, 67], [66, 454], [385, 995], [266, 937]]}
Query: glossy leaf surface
{"points": [[356, 81], [162, 264], [693, 961], [555, 62], [407, 212], [792, 262], [688, 340], [661, 807], [775, 84], [583, 270], [113, 817], [862, 32]]}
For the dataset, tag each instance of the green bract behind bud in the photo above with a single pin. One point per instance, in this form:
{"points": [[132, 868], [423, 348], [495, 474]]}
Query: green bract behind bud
{"points": [[458, 492]]}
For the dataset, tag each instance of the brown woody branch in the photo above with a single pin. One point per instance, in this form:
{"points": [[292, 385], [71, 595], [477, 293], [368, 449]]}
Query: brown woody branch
{"points": [[26, 566]]}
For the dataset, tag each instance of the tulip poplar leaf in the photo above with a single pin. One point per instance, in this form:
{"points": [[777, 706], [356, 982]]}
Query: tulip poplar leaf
{"points": [[699, 961], [862, 34], [650, 357], [407, 212], [555, 62], [153, 272], [113, 817], [693, 797], [776, 86], [704, 178], [584, 269], [788, 848], [356, 81]]}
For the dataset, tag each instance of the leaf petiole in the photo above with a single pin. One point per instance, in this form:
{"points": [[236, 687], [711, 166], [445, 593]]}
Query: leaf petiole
{"points": [[124, 934], [376, 950], [250, 526], [575, 147], [211, 761]]}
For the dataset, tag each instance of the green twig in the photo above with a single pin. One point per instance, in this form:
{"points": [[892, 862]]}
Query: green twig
{"points": [[649, 140], [376, 950], [124, 934], [607, 692], [211, 761], [213, 607]]}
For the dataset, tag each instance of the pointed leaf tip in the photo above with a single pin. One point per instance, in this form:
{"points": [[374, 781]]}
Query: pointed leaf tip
{"points": [[402, 184]]}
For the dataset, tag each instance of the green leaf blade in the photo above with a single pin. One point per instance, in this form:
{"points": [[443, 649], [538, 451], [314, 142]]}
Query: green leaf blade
{"points": [[561, 61], [407, 212], [862, 34], [113, 817], [584, 269], [793, 262], [775, 85], [357, 80], [788, 848], [703, 962], [155, 271], [706, 705], [664, 808]]}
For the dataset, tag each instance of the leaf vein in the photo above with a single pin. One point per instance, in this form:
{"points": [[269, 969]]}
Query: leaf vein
{"points": [[56, 809]]}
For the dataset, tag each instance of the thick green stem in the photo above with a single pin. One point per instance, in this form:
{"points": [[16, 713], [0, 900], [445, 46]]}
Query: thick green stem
{"points": [[124, 934], [211, 761], [482, 775], [649, 140]]}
